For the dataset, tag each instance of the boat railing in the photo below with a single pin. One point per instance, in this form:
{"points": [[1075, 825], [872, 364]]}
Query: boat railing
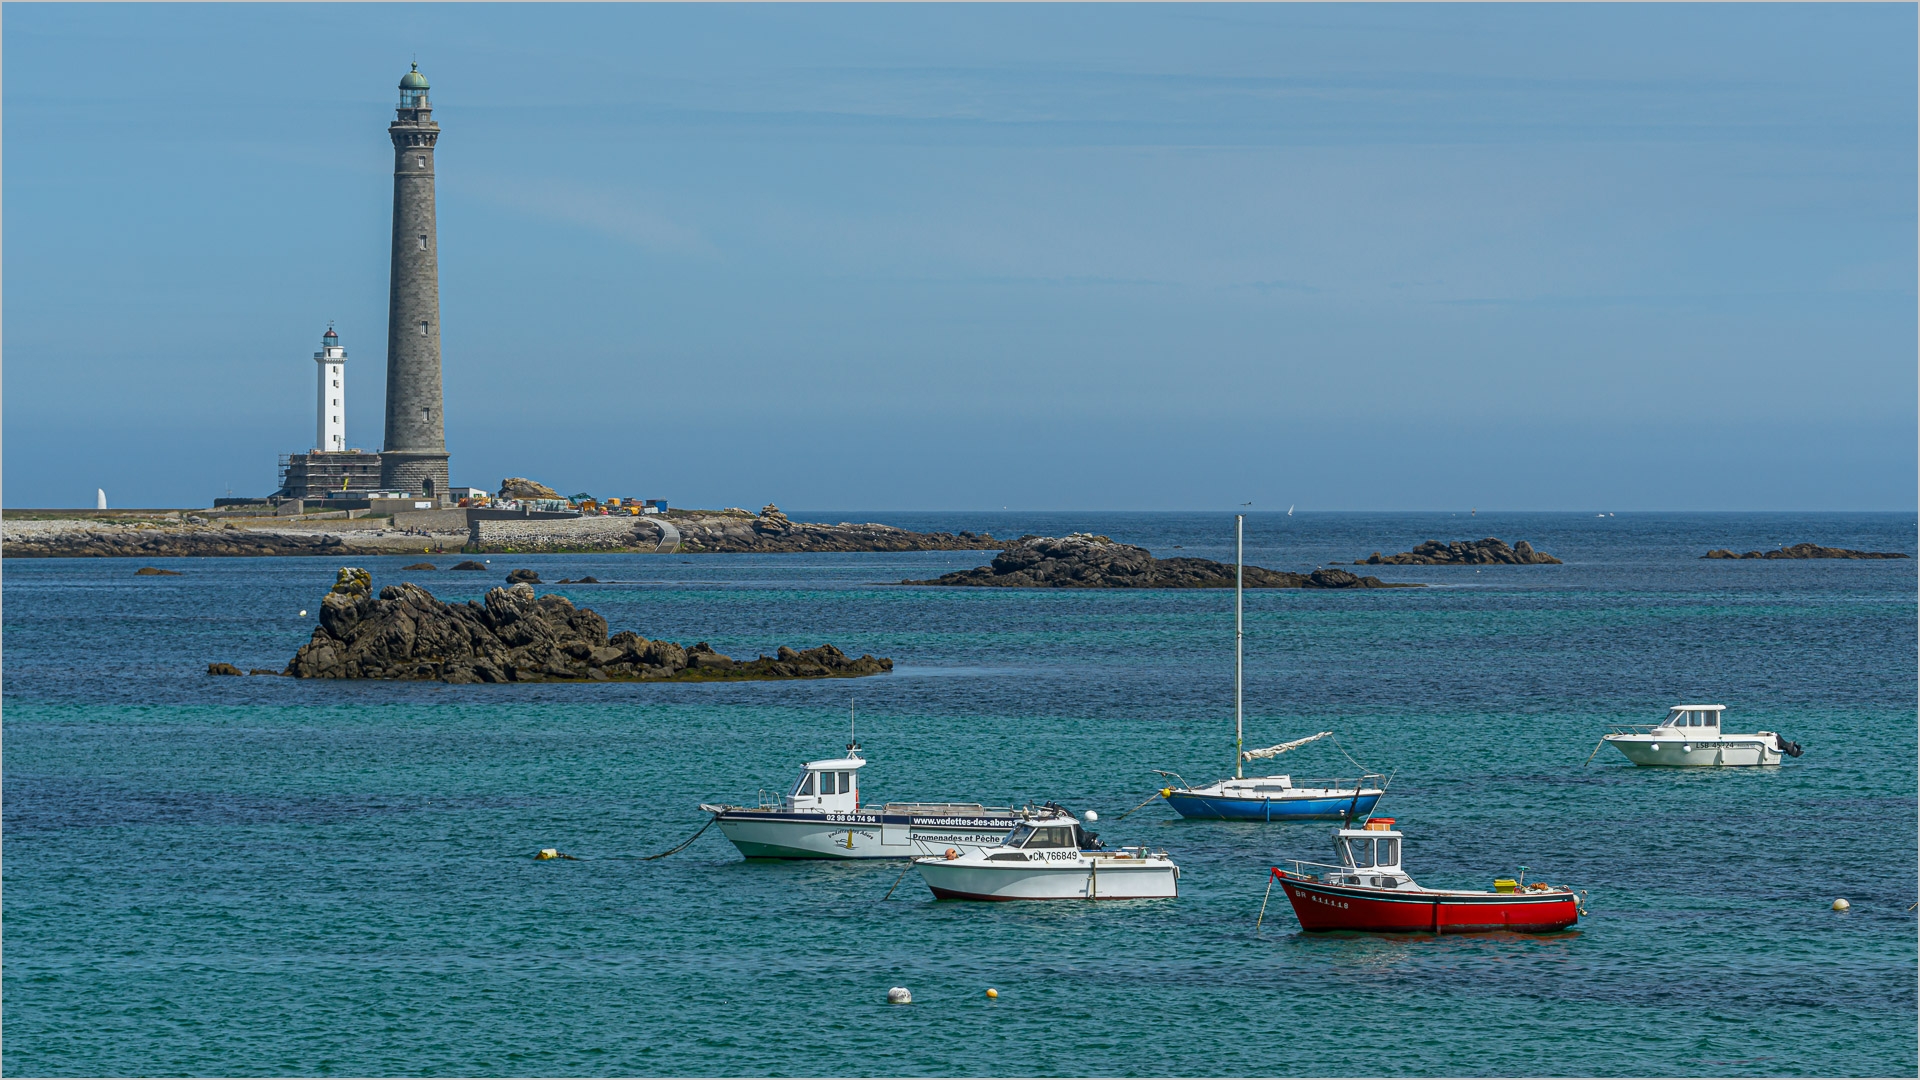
{"points": [[1326, 870], [1631, 729], [1334, 783], [940, 808]]}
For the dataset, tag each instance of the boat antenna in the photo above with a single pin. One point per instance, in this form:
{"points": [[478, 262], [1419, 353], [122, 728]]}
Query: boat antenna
{"points": [[852, 742], [1239, 632]]}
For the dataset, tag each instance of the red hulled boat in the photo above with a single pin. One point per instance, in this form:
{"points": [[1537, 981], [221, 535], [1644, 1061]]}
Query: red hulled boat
{"points": [[1369, 891]]}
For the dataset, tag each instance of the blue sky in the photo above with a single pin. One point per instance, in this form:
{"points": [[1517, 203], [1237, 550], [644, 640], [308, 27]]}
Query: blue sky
{"points": [[945, 257]]}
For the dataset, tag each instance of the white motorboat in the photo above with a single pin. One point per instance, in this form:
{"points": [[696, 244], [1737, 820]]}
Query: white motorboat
{"points": [[1054, 861], [822, 818], [1695, 735]]}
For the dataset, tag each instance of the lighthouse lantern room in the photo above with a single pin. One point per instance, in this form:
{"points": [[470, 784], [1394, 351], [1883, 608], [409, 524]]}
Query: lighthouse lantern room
{"points": [[331, 426]]}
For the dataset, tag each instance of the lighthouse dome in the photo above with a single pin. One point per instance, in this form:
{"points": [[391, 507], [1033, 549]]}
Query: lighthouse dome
{"points": [[413, 80]]}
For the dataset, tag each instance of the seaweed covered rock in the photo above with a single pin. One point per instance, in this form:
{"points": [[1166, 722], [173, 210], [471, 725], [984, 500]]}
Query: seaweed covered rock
{"points": [[515, 635], [1489, 552], [1086, 561]]}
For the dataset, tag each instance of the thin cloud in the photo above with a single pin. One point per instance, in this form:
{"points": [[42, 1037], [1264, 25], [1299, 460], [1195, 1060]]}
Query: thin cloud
{"points": [[625, 216]]}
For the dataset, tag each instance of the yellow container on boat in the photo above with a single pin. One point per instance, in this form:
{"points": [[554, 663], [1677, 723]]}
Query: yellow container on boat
{"points": [[1505, 884]]}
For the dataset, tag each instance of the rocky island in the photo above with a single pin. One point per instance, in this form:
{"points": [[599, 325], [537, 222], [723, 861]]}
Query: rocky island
{"points": [[516, 636], [1489, 552], [1085, 561], [174, 533], [770, 531], [1806, 551]]}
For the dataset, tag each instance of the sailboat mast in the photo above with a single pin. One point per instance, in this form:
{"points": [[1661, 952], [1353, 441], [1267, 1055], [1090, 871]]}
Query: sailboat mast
{"points": [[1239, 631]]}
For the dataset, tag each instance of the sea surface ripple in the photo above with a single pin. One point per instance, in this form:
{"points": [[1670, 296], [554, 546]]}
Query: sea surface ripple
{"points": [[255, 875]]}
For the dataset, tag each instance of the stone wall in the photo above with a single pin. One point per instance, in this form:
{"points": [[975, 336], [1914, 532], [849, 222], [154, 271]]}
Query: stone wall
{"points": [[590, 533]]}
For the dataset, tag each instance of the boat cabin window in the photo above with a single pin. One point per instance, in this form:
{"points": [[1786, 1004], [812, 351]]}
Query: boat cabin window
{"points": [[1361, 851], [1052, 836], [1018, 837], [1388, 848], [826, 784], [805, 787]]}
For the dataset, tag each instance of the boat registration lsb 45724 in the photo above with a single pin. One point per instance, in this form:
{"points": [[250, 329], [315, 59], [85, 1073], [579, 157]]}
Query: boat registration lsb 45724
{"points": [[1368, 890], [1694, 735], [822, 818]]}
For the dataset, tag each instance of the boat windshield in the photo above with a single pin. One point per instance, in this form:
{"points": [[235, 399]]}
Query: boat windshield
{"points": [[1017, 837], [1360, 851], [805, 786], [1051, 836]]}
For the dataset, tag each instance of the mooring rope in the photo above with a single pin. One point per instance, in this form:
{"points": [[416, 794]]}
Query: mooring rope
{"points": [[1349, 757], [1150, 798], [896, 882], [1263, 904], [683, 844]]}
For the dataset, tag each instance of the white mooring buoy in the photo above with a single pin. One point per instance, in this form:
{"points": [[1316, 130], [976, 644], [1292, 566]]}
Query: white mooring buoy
{"points": [[899, 995], [1841, 904], [1092, 816]]}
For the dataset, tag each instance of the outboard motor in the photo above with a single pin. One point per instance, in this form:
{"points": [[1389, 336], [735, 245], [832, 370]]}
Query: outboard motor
{"points": [[1791, 749], [1087, 841]]}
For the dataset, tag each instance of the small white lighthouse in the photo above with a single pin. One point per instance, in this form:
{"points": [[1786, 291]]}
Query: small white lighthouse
{"points": [[331, 427]]}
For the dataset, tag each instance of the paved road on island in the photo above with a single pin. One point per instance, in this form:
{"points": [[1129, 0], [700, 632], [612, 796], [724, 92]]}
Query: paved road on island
{"points": [[669, 536]]}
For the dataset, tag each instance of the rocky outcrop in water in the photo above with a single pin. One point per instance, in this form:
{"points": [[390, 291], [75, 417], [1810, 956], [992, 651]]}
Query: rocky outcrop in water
{"points": [[1085, 561], [150, 538], [772, 531], [516, 636], [1488, 552], [1806, 551]]}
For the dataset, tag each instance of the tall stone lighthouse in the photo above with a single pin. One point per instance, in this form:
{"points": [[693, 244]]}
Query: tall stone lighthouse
{"points": [[413, 456]]}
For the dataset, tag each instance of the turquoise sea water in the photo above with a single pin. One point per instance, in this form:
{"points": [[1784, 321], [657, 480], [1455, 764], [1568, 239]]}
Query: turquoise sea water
{"points": [[236, 876]]}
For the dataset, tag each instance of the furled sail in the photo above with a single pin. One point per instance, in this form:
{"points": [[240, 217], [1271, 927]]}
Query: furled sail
{"points": [[1276, 751]]}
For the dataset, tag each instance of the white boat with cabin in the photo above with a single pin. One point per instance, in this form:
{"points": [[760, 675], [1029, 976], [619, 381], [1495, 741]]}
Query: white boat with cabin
{"points": [[1052, 861], [1694, 735], [822, 818]]}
